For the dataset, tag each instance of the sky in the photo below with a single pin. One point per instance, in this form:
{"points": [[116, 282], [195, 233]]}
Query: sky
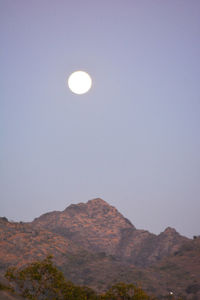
{"points": [[132, 140]]}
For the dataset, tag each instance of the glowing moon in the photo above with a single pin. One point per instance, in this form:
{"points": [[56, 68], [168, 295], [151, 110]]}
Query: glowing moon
{"points": [[79, 82]]}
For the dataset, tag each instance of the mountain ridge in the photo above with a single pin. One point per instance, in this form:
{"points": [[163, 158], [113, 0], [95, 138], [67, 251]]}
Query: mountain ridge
{"points": [[99, 226], [94, 244]]}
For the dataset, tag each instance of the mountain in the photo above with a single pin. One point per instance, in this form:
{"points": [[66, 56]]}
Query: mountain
{"points": [[99, 227], [95, 245], [96, 225]]}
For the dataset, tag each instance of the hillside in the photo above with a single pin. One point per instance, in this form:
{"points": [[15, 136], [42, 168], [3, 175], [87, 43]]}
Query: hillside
{"points": [[95, 245]]}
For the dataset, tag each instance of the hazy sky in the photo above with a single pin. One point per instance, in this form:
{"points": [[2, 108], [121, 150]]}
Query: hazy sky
{"points": [[133, 140]]}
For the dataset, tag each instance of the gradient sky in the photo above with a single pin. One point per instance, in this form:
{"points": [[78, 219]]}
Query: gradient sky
{"points": [[133, 140]]}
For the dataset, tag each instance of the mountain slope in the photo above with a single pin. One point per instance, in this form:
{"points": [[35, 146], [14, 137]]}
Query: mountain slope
{"points": [[21, 243]]}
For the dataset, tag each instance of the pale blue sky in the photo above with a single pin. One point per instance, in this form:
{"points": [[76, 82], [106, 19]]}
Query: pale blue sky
{"points": [[133, 140]]}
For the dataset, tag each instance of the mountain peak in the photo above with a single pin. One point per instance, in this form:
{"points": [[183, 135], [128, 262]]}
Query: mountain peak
{"points": [[170, 230], [98, 201], [94, 225], [91, 204]]}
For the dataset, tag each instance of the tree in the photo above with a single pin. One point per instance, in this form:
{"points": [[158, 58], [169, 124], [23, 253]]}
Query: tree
{"points": [[41, 280]]}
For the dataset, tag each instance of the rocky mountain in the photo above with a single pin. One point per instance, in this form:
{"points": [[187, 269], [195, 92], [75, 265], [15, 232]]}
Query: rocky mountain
{"points": [[96, 225], [95, 245], [99, 227]]}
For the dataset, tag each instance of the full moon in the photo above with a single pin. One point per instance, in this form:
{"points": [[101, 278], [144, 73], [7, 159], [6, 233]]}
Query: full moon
{"points": [[79, 82]]}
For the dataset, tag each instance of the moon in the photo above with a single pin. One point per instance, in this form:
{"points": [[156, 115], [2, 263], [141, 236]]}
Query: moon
{"points": [[79, 82]]}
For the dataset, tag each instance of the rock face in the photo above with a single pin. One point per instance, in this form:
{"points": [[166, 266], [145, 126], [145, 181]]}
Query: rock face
{"points": [[97, 226], [95, 245]]}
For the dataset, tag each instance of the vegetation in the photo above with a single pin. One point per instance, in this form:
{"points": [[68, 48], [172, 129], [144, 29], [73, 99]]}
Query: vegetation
{"points": [[42, 280], [123, 291]]}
